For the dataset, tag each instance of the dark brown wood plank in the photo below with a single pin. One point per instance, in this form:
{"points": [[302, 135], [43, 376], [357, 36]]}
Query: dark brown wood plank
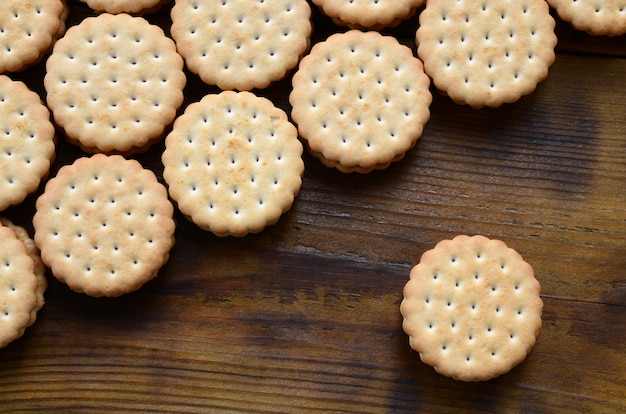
{"points": [[304, 317]]}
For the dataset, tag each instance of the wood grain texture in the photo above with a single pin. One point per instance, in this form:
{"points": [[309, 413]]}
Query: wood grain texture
{"points": [[304, 317]]}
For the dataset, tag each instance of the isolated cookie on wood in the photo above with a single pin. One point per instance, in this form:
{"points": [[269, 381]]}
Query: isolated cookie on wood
{"points": [[360, 101], [28, 29], [241, 44], [39, 269], [104, 225], [114, 83], [18, 283], [136, 7], [472, 308], [596, 17], [233, 163], [486, 52], [369, 14], [27, 142]]}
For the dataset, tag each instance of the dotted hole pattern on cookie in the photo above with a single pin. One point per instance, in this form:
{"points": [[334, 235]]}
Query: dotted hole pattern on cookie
{"points": [[595, 17], [235, 163], [26, 32], [220, 23], [599, 8], [506, 54], [472, 308], [499, 50], [363, 96], [109, 213], [11, 149], [491, 288], [238, 44], [118, 101], [26, 141], [126, 82], [18, 283]]}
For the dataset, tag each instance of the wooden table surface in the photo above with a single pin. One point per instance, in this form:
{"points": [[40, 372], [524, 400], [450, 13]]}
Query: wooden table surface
{"points": [[304, 316]]}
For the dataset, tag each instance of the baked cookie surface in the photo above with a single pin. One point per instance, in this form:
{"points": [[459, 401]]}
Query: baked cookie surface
{"points": [[27, 144], [360, 100], [472, 308], [39, 269], [369, 14], [241, 44], [126, 6], [29, 29], [486, 53], [18, 283], [233, 163], [114, 83], [596, 17], [104, 225]]}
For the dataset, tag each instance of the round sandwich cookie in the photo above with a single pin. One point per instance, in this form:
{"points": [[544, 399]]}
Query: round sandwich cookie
{"points": [[104, 225], [369, 14], [39, 269], [28, 31], [360, 101], [135, 7], [114, 83], [596, 17], [18, 286], [472, 308], [486, 52], [233, 163], [27, 142], [241, 44]]}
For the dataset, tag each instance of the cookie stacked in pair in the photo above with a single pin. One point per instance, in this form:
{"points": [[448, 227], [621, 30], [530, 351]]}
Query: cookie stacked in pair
{"points": [[29, 30], [22, 281], [232, 162], [113, 84], [104, 224], [361, 100], [27, 149], [471, 308]]}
